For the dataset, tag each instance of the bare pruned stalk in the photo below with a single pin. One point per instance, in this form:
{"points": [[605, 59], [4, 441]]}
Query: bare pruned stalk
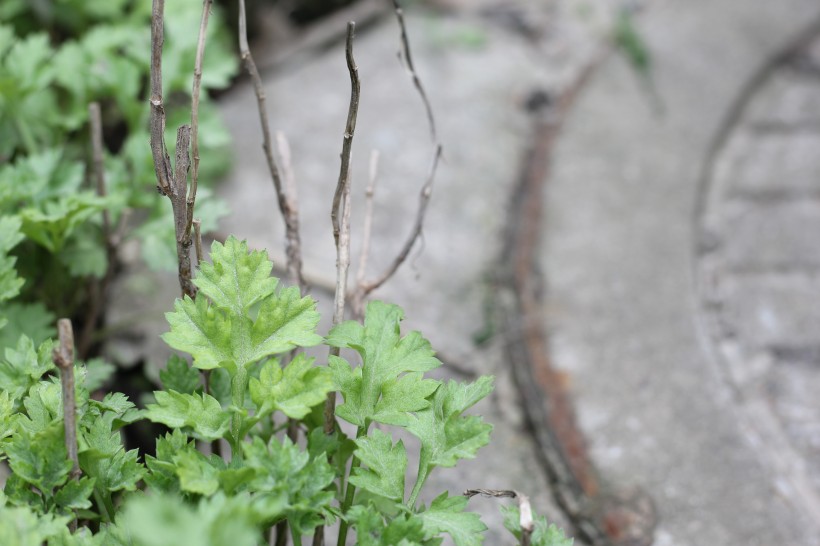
{"points": [[63, 357], [340, 218], [98, 287], [173, 184], [287, 206], [195, 90], [406, 55], [97, 158], [363, 287], [340, 210], [198, 240], [367, 230]]}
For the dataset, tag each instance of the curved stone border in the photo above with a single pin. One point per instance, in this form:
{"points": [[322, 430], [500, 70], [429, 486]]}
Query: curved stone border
{"points": [[621, 206], [758, 268]]}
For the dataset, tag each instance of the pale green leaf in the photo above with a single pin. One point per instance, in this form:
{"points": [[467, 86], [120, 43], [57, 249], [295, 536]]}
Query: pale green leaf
{"points": [[10, 235], [39, 458], [386, 465], [294, 390], [385, 356], [74, 495], [400, 396], [233, 336], [33, 320], [446, 436], [202, 331], [162, 475], [200, 413], [98, 373], [296, 484], [179, 376], [20, 526], [103, 458], [196, 473], [166, 520], [23, 366], [285, 321], [8, 417], [237, 278], [447, 515]]}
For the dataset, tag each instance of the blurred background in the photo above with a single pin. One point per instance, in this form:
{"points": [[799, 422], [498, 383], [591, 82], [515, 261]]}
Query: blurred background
{"points": [[624, 228]]}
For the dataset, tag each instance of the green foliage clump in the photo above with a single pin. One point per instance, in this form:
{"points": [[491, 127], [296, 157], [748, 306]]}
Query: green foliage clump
{"points": [[240, 329], [55, 59]]}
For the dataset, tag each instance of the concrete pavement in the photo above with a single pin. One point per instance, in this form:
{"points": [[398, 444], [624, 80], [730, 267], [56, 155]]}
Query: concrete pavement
{"points": [[629, 202]]}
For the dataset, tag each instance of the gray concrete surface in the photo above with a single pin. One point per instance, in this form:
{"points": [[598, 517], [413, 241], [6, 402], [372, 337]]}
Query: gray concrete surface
{"points": [[640, 211], [478, 72], [620, 255]]}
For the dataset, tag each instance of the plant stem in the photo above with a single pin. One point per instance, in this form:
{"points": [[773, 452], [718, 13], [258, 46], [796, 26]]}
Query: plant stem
{"points": [[422, 477], [297, 539], [26, 136], [239, 384], [103, 506], [63, 357], [350, 492]]}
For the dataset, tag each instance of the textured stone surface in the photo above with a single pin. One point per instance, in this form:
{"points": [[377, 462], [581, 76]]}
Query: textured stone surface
{"points": [[716, 416], [683, 414], [478, 68]]}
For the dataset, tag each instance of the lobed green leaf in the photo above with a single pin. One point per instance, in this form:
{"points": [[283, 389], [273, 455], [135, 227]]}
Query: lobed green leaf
{"points": [[385, 356], [200, 413], [446, 515], [294, 390], [386, 466]]}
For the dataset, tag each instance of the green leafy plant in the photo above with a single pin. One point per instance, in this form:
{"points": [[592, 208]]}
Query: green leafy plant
{"points": [[251, 439], [240, 326], [55, 59]]}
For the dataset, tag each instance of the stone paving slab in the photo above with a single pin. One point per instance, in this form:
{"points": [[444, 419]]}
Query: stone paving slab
{"points": [[662, 402]]}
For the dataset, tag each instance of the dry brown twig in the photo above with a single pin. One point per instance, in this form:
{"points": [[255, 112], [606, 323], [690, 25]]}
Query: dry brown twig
{"points": [[404, 53], [287, 206], [340, 218], [173, 184], [524, 508], [63, 357], [340, 210], [198, 240], [195, 90], [363, 287], [98, 288], [368, 220]]}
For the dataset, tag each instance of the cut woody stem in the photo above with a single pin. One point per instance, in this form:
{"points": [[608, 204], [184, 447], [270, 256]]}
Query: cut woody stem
{"points": [[63, 357], [98, 288], [340, 211], [171, 183]]}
